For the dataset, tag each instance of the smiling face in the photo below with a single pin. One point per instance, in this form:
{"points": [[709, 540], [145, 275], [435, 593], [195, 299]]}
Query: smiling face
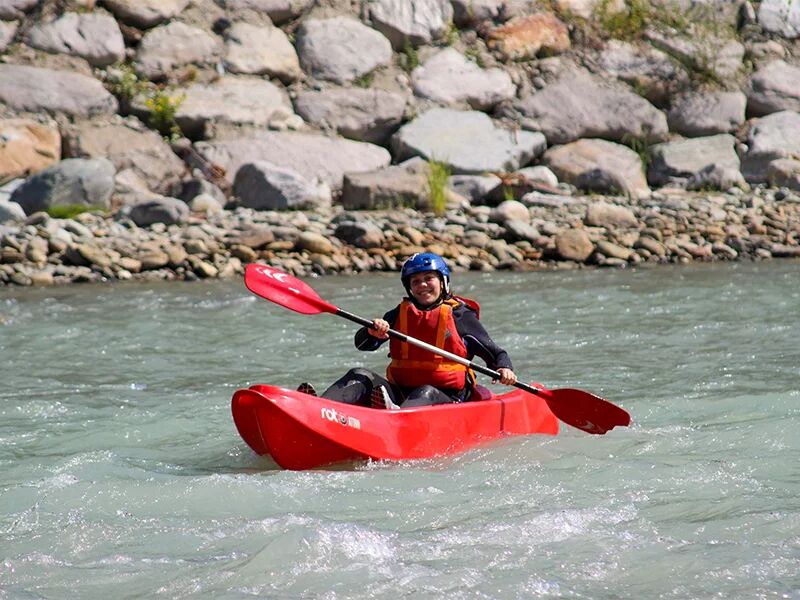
{"points": [[426, 287]]}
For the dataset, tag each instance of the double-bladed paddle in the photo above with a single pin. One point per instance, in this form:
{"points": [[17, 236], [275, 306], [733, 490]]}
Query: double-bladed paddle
{"points": [[580, 409]]}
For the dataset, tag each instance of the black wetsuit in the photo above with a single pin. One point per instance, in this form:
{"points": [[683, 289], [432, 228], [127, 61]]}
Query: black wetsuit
{"points": [[356, 386]]}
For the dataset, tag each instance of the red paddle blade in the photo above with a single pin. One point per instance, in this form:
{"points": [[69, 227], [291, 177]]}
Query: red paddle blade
{"points": [[585, 411], [281, 288]]}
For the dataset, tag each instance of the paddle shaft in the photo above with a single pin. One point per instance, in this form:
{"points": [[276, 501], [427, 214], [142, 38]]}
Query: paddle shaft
{"points": [[436, 350]]}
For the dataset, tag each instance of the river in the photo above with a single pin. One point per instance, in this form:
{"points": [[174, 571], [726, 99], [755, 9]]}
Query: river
{"points": [[122, 475]]}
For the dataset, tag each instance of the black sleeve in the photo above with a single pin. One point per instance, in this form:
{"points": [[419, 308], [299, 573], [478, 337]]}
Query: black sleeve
{"points": [[364, 341], [478, 341]]}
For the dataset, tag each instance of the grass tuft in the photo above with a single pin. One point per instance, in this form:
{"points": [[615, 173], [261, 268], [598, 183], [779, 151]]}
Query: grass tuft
{"points": [[438, 175]]}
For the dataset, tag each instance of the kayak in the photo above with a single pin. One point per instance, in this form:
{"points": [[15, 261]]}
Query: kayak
{"points": [[300, 431]]}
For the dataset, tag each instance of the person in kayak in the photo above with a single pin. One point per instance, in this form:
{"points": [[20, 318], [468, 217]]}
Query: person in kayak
{"points": [[417, 377]]}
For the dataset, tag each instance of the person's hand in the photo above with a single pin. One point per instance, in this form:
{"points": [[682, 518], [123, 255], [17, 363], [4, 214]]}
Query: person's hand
{"points": [[507, 376], [379, 329]]}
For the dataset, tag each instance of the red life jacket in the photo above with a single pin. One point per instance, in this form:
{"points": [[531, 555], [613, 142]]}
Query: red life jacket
{"points": [[412, 366]]}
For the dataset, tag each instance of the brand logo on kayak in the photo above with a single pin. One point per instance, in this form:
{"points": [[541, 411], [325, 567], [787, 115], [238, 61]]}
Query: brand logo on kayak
{"points": [[331, 414]]}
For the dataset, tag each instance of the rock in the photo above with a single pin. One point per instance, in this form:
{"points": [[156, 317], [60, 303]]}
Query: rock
{"points": [[340, 49], [643, 67], [130, 147], [278, 11], [654, 247], [171, 46], [72, 181], [677, 161], [232, 100], [510, 210], [610, 216], [468, 142], [718, 56], [93, 36], [392, 187], [525, 37], [474, 188], [598, 165], [145, 13], [254, 237], [784, 173], [707, 113], [416, 22], [580, 105], [159, 210], [191, 188], [205, 203], [362, 234], [716, 177], [574, 244], [7, 32], [37, 90], [470, 12], [313, 156], [264, 186], [540, 174], [448, 77], [774, 88], [781, 17], [11, 211], [366, 115], [27, 147], [770, 138], [612, 250], [314, 242], [16, 9], [256, 50]]}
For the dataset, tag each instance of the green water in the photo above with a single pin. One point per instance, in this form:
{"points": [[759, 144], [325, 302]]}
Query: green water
{"points": [[122, 475]]}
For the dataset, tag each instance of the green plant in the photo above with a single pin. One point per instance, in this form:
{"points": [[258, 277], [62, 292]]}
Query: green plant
{"points": [[508, 193], [125, 84], [626, 24], [70, 211], [452, 35], [409, 59], [365, 80], [163, 109], [438, 174], [474, 54], [638, 145]]}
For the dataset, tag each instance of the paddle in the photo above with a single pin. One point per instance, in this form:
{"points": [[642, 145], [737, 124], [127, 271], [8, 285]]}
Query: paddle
{"points": [[580, 409]]}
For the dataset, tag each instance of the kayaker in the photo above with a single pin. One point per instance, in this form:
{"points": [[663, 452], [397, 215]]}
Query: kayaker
{"points": [[417, 377]]}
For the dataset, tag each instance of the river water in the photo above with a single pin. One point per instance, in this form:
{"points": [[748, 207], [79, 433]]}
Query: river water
{"points": [[122, 475]]}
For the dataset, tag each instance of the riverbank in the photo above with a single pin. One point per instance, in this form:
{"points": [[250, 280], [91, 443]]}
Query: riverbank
{"points": [[539, 231]]}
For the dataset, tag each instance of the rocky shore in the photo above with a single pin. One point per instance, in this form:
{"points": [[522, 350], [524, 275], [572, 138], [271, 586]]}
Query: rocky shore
{"points": [[182, 139]]}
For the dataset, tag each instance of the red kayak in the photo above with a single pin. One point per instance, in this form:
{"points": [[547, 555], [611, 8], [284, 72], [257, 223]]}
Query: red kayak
{"points": [[300, 431]]}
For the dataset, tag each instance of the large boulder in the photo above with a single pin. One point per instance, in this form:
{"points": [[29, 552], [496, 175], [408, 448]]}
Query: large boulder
{"points": [[781, 17], [313, 156], [36, 90], [467, 141], [449, 77], [145, 13], [714, 54], [72, 181], [159, 209], [367, 115], [599, 166], [95, 37], [16, 9], [260, 50], [416, 22], [676, 162], [174, 45], [580, 105], [340, 49], [27, 147], [264, 186], [770, 138], [8, 29], [773, 88], [701, 114], [392, 187]]}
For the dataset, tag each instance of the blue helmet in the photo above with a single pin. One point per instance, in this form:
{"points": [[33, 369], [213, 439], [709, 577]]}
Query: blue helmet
{"points": [[425, 261]]}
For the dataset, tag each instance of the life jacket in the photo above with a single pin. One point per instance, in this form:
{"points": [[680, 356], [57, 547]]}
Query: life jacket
{"points": [[412, 366]]}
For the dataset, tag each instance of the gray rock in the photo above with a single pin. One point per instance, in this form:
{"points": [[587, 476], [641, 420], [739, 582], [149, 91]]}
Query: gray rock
{"points": [[8, 29], [449, 77], [15, 9], [719, 56], [467, 141], [774, 88], [72, 181], [257, 50], [539, 173], [781, 17], [474, 188], [130, 147], [340, 49], [192, 188], [362, 234], [417, 22], [598, 165], [784, 172], [510, 210], [580, 105], [93, 36], [278, 11], [310, 155], [145, 13], [36, 90], [264, 186], [770, 138], [520, 231], [174, 45], [707, 113], [610, 216], [469, 12], [392, 187], [236, 100], [11, 211], [676, 162], [574, 244], [162, 209], [360, 114], [716, 177]]}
